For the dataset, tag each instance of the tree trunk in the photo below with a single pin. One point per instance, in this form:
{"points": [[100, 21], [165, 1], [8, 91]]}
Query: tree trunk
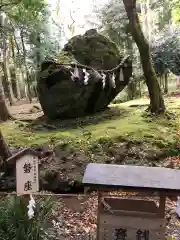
{"points": [[14, 83], [35, 91], [155, 94], [14, 79], [131, 87], [177, 82], [140, 95], [166, 83], [26, 67], [163, 81], [4, 149], [38, 54], [6, 70], [4, 113]]}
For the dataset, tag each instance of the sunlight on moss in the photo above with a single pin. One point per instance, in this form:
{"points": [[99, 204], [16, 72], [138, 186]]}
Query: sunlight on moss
{"points": [[133, 124]]}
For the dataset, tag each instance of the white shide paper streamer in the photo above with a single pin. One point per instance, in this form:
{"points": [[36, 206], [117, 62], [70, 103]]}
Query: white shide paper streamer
{"points": [[75, 74], [86, 77], [121, 75], [31, 207], [103, 79], [113, 83]]}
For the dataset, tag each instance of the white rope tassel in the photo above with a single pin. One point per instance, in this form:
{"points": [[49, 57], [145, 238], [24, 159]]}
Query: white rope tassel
{"points": [[86, 77], [121, 75], [75, 74], [113, 83], [31, 207], [103, 79]]}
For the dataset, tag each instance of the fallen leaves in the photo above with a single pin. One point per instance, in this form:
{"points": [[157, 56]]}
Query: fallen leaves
{"points": [[78, 221]]}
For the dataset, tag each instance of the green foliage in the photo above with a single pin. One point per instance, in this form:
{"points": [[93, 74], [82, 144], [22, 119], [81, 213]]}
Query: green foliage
{"points": [[174, 148], [14, 221], [28, 12], [165, 51], [114, 23], [175, 4], [31, 18]]}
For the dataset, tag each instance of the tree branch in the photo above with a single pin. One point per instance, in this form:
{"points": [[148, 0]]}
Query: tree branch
{"points": [[61, 28]]}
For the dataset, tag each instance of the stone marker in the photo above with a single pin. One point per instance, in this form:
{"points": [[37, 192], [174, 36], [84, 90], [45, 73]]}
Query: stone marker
{"points": [[131, 218]]}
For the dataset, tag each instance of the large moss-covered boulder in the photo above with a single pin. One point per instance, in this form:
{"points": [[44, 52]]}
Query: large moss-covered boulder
{"points": [[94, 50], [75, 90]]}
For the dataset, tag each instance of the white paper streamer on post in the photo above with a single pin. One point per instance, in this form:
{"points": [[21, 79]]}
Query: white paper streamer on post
{"points": [[103, 79], [75, 74], [121, 75], [31, 207], [178, 206], [86, 77], [113, 83]]}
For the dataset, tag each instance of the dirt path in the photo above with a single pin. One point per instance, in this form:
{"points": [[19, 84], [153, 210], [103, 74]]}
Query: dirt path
{"points": [[24, 110]]}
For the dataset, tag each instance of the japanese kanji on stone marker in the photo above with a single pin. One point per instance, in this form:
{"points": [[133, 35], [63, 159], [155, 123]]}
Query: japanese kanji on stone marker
{"points": [[27, 174]]}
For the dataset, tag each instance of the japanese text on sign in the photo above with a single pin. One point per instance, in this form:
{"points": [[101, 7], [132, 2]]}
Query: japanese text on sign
{"points": [[121, 234], [27, 176]]}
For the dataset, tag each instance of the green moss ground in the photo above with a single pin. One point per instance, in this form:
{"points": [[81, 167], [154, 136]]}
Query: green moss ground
{"points": [[133, 123]]}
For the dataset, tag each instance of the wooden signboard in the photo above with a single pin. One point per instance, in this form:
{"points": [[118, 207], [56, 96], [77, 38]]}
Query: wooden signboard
{"points": [[27, 174], [131, 219]]}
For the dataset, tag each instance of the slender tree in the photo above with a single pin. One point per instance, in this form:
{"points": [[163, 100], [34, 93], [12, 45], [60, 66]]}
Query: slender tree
{"points": [[4, 112], [7, 77], [155, 94], [14, 79], [26, 66], [5, 62], [4, 149], [166, 82]]}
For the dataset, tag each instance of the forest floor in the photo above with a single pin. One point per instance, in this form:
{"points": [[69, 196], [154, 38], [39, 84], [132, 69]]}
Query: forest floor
{"points": [[123, 134]]}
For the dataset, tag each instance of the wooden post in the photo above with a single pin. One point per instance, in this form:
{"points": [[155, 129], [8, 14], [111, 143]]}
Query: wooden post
{"points": [[98, 214], [162, 203]]}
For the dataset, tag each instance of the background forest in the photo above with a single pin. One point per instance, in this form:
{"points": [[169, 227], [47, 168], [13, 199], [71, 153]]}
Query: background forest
{"points": [[125, 132], [28, 38]]}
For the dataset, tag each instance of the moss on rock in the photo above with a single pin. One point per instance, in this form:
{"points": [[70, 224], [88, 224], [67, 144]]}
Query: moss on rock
{"points": [[63, 96], [66, 58], [93, 49]]}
